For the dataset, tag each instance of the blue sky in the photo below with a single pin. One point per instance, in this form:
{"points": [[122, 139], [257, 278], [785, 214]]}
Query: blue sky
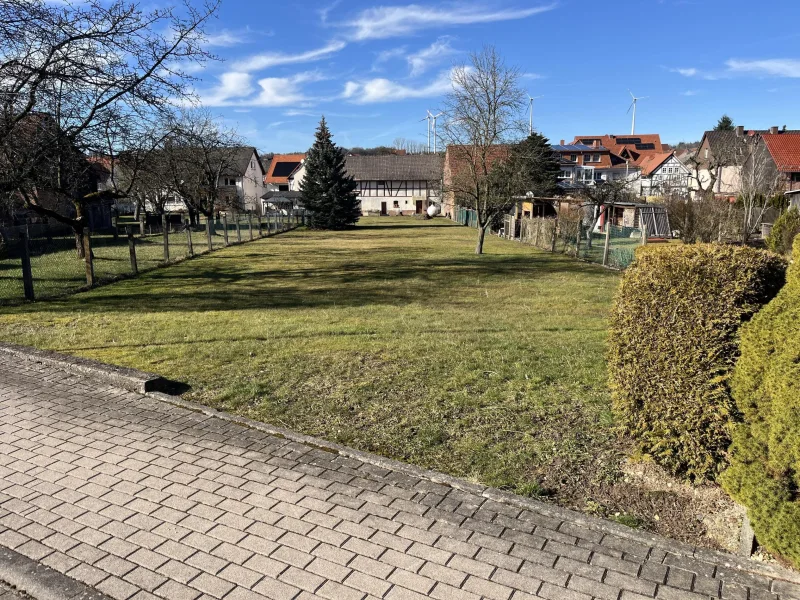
{"points": [[373, 67]]}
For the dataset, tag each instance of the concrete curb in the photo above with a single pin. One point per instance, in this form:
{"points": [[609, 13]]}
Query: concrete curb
{"points": [[40, 581], [128, 379], [730, 561]]}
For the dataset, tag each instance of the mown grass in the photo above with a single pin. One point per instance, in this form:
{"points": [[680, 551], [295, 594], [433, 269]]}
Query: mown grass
{"points": [[391, 337]]}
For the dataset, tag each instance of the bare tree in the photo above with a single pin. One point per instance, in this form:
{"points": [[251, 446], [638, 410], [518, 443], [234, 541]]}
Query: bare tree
{"points": [[410, 146], [483, 116], [597, 199], [198, 155], [86, 79], [760, 180]]}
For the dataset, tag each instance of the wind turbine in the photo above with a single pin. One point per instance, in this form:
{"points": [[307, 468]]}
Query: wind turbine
{"points": [[633, 106], [530, 108], [433, 118], [428, 119]]}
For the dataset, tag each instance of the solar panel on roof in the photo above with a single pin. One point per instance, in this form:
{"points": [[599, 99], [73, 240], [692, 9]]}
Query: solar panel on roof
{"points": [[645, 146], [629, 140], [284, 169]]}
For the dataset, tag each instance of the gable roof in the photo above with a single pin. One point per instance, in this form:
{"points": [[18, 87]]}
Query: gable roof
{"points": [[652, 162], [457, 158], [282, 166], [784, 149], [241, 159], [409, 167]]}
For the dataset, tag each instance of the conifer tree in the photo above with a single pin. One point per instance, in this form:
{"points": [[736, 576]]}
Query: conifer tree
{"points": [[329, 193], [725, 123]]}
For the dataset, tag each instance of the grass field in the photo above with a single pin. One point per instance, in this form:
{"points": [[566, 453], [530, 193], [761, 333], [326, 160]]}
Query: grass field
{"points": [[392, 338], [58, 271]]}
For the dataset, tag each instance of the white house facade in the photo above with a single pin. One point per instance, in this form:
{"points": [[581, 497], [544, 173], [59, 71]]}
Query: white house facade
{"points": [[663, 174]]}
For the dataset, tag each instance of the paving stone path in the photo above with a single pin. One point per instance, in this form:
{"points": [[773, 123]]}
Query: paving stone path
{"points": [[143, 499]]}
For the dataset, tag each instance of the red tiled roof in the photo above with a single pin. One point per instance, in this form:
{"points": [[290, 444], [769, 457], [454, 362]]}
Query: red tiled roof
{"points": [[636, 154], [651, 162], [281, 159], [785, 150], [457, 158]]}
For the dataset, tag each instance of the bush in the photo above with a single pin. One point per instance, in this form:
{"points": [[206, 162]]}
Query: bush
{"points": [[673, 344], [764, 474], [785, 229]]}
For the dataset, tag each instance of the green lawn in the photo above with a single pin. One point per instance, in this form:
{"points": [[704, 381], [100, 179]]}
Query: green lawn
{"points": [[392, 338]]}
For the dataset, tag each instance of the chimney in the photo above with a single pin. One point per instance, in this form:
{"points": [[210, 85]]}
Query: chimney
{"points": [[562, 143], [774, 130], [740, 131]]}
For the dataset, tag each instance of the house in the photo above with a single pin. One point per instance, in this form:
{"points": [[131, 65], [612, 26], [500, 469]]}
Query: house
{"points": [[243, 179], [784, 148], [280, 168], [396, 184], [586, 164], [661, 174]]}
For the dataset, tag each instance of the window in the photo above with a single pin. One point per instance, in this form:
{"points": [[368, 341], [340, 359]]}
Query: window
{"points": [[565, 175], [396, 204], [706, 152], [573, 157], [795, 176], [591, 158], [229, 181], [283, 187]]}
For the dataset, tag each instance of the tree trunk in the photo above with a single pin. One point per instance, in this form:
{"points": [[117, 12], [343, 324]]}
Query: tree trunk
{"points": [[79, 248], [481, 236]]}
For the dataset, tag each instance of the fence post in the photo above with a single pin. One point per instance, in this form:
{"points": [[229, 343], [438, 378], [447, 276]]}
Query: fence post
{"points": [[250, 225], [165, 236], [578, 237], [644, 233], [238, 228], [538, 231], [607, 244], [115, 225], [555, 235], [260, 229], [141, 223], [132, 250], [88, 259], [189, 239], [27, 273], [209, 243], [225, 228]]}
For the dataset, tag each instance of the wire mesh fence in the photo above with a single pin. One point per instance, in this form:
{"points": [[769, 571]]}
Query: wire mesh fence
{"points": [[45, 261], [465, 216], [613, 246]]}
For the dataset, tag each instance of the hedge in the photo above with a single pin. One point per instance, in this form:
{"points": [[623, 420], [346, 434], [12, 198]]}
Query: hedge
{"points": [[785, 229], [673, 343], [764, 474]]}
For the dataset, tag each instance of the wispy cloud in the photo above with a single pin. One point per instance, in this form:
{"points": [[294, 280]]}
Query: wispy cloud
{"points": [[231, 85], [272, 59], [385, 56], [229, 37], [423, 60], [686, 72], [689, 93], [385, 90], [392, 21], [773, 67]]}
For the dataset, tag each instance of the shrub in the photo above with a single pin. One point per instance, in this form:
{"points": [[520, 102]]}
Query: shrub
{"points": [[785, 229], [673, 344], [764, 474]]}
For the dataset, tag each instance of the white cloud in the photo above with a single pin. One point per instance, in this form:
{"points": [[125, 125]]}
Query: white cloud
{"points": [[688, 72], [237, 89], [385, 90], [421, 61], [272, 59], [387, 55], [773, 67], [231, 85], [689, 93], [392, 21]]}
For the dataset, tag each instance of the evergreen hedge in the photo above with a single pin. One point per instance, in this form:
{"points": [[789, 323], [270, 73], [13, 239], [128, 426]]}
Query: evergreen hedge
{"points": [[764, 474], [785, 229], [673, 344]]}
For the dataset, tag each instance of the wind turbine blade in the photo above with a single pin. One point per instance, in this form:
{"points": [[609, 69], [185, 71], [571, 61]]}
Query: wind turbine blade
{"points": [[629, 108], [631, 93]]}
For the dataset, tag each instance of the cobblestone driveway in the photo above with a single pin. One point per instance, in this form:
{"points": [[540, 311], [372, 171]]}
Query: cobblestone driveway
{"points": [[141, 499]]}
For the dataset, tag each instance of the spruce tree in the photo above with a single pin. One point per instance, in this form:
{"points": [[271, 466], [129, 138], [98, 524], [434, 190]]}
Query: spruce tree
{"points": [[725, 123], [329, 194]]}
